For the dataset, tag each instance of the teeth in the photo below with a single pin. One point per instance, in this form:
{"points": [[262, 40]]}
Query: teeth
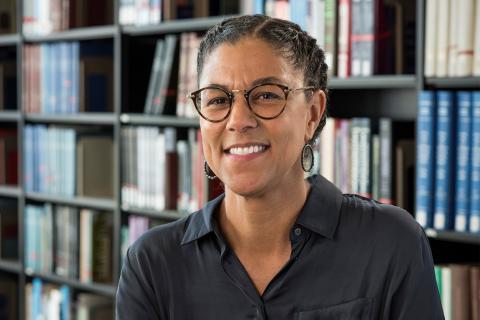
{"points": [[247, 150]]}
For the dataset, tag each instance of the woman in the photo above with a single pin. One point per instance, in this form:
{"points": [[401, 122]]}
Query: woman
{"points": [[274, 246]]}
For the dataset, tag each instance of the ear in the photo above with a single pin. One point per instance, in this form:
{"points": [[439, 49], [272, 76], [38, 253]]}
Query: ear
{"points": [[316, 109]]}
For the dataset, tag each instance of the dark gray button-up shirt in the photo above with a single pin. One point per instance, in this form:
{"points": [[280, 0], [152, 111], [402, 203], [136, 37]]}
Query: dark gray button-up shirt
{"points": [[352, 258]]}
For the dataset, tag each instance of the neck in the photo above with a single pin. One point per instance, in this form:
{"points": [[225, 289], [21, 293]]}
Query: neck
{"points": [[262, 224]]}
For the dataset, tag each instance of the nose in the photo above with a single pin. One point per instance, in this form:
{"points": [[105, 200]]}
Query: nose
{"points": [[241, 118]]}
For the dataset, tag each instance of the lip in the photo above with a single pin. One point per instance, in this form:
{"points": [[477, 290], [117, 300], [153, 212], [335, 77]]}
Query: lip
{"points": [[244, 145], [246, 157]]}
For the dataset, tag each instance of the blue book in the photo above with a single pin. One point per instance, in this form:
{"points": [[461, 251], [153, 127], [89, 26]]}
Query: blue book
{"points": [[29, 265], [43, 77], [443, 218], [36, 298], [65, 303], [64, 76], [70, 165], [258, 7], [75, 90], [462, 184], [35, 156], [425, 158], [475, 169], [42, 158]]}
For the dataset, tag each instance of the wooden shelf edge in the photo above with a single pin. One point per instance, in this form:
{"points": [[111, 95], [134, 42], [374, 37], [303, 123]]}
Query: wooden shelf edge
{"points": [[374, 82], [454, 83], [174, 26], [9, 191], [145, 119], [104, 289], [86, 33], [104, 118], [10, 266], [88, 202], [454, 236]]}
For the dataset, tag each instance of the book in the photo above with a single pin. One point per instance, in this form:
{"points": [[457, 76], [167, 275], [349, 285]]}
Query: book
{"points": [[466, 11], [445, 161], [94, 172], [460, 292], [446, 296], [426, 128], [442, 33], [430, 38], [154, 75], [475, 292], [463, 162], [476, 49], [474, 222], [344, 34], [405, 174]]}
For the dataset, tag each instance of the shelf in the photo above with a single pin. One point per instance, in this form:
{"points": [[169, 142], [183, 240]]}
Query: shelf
{"points": [[454, 83], [174, 26], [9, 116], [374, 82], [95, 203], [88, 33], [9, 191], [454, 236], [74, 118], [10, 266], [104, 289], [145, 119], [151, 213], [9, 40]]}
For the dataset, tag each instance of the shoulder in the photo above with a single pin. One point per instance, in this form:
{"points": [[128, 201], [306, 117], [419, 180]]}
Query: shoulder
{"points": [[369, 219], [160, 241]]}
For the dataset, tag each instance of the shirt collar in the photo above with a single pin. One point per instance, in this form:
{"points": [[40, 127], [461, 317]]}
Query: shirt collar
{"points": [[319, 214]]}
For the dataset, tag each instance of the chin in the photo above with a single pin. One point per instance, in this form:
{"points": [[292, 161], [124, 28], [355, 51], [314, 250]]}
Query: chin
{"points": [[247, 185]]}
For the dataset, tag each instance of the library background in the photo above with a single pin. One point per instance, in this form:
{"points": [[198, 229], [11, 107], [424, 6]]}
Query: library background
{"points": [[98, 142]]}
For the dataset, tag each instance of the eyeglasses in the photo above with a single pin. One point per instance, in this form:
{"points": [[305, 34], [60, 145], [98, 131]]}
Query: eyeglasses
{"points": [[266, 101]]}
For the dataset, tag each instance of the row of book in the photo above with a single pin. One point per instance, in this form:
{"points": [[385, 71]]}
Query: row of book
{"points": [[359, 37], [452, 38], [134, 228], [67, 161], [368, 157], [147, 12], [459, 288], [68, 77], [8, 229], [8, 156], [69, 242], [448, 160], [162, 172], [41, 17], [53, 302]]}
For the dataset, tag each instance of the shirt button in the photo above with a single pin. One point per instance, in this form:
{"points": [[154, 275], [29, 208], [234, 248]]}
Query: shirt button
{"points": [[298, 231]]}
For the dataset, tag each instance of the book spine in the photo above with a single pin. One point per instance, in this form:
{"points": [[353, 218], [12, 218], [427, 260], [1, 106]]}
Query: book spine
{"points": [[430, 38], [452, 39], [154, 76], [475, 169], [464, 108], [443, 215], [386, 160], [344, 35], [426, 126], [476, 56], [331, 35], [358, 21], [465, 38], [442, 32]]}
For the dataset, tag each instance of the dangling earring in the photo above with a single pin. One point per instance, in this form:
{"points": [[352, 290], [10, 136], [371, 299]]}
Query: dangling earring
{"points": [[307, 158], [208, 172]]}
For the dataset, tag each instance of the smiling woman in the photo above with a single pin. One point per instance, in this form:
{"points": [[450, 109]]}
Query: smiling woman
{"points": [[274, 245]]}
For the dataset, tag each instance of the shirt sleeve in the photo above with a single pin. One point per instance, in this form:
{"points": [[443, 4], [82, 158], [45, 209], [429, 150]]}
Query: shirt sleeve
{"points": [[417, 296], [135, 298]]}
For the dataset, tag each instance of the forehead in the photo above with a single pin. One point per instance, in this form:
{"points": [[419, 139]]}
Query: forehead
{"points": [[243, 62]]}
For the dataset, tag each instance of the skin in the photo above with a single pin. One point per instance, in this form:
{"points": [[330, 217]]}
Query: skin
{"points": [[265, 192]]}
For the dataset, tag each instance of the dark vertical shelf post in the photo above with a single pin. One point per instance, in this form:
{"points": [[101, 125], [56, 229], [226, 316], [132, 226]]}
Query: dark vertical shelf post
{"points": [[117, 66], [21, 197]]}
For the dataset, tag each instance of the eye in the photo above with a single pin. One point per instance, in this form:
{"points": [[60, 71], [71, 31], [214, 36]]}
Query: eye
{"points": [[219, 101], [266, 95]]}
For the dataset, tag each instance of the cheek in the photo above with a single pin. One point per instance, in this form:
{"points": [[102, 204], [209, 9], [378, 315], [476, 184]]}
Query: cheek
{"points": [[211, 141]]}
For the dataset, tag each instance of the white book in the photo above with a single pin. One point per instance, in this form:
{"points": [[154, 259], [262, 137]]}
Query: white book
{"points": [[317, 22], [476, 53], [452, 39], [343, 38], [465, 37], [327, 150], [431, 38], [160, 171], [447, 292], [442, 37]]}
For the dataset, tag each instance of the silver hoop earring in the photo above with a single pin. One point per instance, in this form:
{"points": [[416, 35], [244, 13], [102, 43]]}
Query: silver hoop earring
{"points": [[307, 158], [208, 172]]}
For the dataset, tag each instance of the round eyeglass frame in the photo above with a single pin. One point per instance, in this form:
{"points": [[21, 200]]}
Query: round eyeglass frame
{"points": [[246, 95]]}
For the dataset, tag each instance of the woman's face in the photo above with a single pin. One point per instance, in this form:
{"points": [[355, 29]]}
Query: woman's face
{"points": [[252, 155]]}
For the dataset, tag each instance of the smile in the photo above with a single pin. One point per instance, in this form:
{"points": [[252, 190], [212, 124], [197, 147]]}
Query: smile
{"points": [[247, 150]]}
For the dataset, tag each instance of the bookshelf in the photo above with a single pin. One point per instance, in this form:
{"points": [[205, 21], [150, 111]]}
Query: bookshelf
{"points": [[392, 96]]}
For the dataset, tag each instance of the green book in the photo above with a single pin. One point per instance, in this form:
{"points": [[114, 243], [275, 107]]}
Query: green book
{"points": [[438, 277]]}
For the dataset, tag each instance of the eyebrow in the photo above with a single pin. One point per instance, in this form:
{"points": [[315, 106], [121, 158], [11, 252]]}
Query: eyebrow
{"points": [[252, 84]]}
